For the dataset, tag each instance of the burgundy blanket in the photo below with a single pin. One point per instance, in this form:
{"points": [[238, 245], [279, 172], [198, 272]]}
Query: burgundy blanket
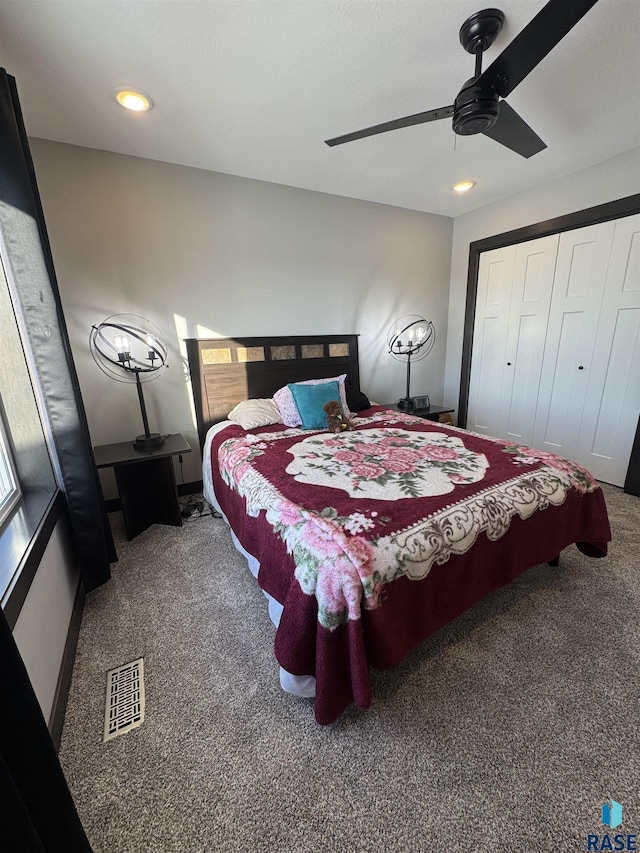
{"points": [[373, 539]]}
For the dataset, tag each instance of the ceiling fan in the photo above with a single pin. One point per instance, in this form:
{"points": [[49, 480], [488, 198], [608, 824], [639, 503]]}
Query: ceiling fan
{"points": [[478, 107]]}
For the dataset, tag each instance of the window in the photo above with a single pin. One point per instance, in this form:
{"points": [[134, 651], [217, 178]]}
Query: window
{"points": [[44, 419], [9, 488], [28, 484]]}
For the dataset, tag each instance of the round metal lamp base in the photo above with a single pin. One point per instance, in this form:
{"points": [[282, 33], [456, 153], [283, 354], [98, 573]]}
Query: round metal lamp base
{"points": [[143, 442]]}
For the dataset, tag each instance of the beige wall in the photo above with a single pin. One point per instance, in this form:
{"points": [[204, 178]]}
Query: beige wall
{"points": [[41, 629], [202, 253], [613, 179]]}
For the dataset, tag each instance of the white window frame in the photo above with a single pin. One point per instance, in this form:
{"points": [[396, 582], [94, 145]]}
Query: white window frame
{"points": [[10, 492]]}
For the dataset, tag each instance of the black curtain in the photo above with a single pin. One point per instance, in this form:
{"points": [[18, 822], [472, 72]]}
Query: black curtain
{"points": [[29, 257], [37, 813]]}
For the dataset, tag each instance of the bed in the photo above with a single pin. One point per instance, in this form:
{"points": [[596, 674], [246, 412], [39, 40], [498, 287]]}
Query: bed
{"points": [[367, 541]]}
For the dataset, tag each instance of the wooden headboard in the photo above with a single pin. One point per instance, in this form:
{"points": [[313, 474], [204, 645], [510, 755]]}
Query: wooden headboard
{"points": [[225, 371]]}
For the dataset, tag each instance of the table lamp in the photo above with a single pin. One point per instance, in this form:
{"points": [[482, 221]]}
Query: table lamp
{"points": [[129, 348], [410, 338]]}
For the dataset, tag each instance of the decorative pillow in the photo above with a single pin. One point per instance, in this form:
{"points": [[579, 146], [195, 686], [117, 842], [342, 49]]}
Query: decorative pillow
{"points": [[255, 413], [310, 399], [356, 400], [286, 404]]}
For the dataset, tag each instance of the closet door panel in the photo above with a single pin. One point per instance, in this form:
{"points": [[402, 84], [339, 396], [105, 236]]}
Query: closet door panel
{"points": [[489, 339], [528, 317], [581, 270], [556, 427], [613, 394]]}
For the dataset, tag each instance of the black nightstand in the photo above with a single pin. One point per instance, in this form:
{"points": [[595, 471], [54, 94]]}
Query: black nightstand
{"points": [[431, 414], [146, 481]]}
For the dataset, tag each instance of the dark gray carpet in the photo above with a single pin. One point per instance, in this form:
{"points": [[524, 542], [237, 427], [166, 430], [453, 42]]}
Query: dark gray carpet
{"points": [[505, 731]]}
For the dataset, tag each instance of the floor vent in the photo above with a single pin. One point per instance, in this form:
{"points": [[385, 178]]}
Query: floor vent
{"points": [[125, 699]]}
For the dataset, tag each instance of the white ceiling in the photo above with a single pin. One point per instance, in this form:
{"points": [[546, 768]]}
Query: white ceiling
{"points": [[253, 88]]}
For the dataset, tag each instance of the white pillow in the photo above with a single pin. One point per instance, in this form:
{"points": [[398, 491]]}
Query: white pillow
{"points": [[289, 414], [255, 413]]}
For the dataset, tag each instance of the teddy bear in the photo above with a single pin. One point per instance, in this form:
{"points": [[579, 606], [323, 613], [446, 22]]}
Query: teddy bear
{"points": [[335, 417]]}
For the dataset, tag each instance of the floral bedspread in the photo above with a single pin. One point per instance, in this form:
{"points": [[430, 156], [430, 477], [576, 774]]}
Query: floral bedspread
{"points": [[373, 539], [357, 510]]}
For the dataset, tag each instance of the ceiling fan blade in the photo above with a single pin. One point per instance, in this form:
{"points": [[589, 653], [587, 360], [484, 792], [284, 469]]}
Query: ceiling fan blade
{"points": [[530, 46], [514, 133], [407, 121]]}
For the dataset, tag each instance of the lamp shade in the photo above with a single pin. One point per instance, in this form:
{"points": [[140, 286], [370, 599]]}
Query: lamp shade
{"points": [[130, 348]]}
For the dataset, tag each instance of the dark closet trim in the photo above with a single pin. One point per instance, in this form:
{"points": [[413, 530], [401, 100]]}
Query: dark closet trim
{"points": [[632, 482], [590, 216], [580, 219]]}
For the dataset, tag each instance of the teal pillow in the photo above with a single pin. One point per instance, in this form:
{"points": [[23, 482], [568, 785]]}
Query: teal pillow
{"points": [[310, 399]]}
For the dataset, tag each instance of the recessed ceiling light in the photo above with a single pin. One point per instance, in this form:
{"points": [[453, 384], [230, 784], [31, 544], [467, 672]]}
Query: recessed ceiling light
{"points": [[463, 186], [133, 99]]}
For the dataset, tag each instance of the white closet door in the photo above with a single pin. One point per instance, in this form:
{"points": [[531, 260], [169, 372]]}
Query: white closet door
{"points": [[581, 271], [613, 391], [495, 276], [533, 274]]}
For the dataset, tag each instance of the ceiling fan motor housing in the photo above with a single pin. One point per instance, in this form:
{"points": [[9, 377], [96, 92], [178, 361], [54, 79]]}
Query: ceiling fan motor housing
{"points": [[479, 107], [475, 109]]}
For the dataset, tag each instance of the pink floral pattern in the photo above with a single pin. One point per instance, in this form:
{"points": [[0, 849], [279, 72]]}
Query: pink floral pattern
{"points": [[337, 568], [386, 463], [579, 477], [345, 560]]}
